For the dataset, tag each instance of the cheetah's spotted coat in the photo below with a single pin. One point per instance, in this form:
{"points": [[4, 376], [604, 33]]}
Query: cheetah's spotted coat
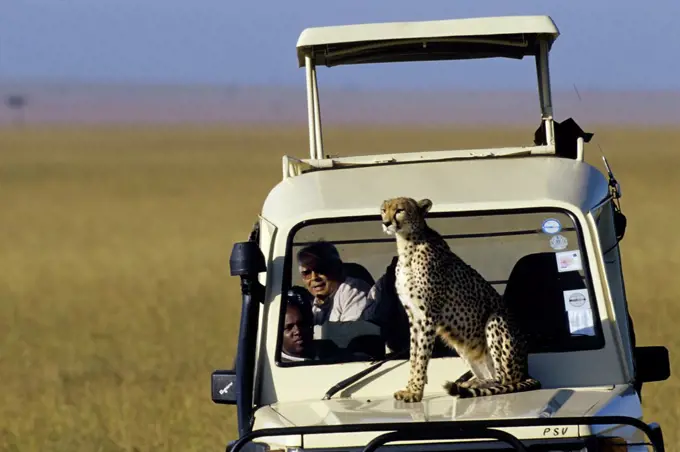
{"points": [[444, 296]]}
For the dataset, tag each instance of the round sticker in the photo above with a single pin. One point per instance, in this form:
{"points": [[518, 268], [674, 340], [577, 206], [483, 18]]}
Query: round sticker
{"points": [[558, 242], [577, 300], [551, 226]]}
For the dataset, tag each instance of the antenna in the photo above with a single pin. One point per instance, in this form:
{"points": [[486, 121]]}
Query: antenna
{"points": [[613, 183], [620, 220]]}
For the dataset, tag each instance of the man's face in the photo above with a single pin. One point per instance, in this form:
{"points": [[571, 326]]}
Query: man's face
{"points": [[296, 334], [318, 280]]}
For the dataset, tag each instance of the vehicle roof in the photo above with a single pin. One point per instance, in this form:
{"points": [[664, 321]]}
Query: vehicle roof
{"points": [[476, 184], [480, 37]]}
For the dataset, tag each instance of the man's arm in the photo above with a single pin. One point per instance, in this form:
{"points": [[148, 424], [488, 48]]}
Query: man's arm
{"points": [[351, 300], [374, 306]]}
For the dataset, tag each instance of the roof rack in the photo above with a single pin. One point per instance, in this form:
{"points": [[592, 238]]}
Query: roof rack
{"points": [[293, 166], [484, 37], [471, 38]]}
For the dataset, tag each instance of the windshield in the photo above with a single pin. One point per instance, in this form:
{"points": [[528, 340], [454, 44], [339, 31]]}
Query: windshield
{"points": [[341, 305]]}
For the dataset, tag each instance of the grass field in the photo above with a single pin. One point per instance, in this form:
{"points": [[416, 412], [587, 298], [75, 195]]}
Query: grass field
{"points": [[116, 299]]}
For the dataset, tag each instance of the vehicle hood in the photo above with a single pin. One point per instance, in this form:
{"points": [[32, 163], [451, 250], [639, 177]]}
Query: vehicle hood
{"points": [[547, 403], [541, 403]]}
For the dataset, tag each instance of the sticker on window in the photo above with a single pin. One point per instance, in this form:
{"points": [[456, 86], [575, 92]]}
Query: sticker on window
{"points": [[580, 315], [568, 261], [558, 242], [551, 226]]}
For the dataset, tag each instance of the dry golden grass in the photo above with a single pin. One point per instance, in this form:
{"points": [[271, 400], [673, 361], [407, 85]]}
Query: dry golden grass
{"points": [[116, 297]]}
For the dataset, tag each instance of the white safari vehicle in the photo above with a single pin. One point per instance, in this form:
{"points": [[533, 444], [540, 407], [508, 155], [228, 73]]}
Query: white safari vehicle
{"points": [[537, 221]]}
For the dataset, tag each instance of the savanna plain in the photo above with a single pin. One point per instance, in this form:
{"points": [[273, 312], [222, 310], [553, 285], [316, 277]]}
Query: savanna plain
{"points": [[115, 296]]}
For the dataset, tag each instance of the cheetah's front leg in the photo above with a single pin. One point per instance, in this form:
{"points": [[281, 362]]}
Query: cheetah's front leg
{"points": [[422, 344], [414, 331]]}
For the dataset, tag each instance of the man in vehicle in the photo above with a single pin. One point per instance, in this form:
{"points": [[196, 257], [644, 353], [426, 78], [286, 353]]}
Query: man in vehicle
{"points": [[337, 297], [298, 331]]}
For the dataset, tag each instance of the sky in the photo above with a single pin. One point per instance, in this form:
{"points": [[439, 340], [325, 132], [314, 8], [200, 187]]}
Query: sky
{"points": [[612, 45]]}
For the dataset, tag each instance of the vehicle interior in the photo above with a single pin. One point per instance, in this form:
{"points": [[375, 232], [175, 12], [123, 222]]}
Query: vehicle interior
{"points": [[541, 273]]}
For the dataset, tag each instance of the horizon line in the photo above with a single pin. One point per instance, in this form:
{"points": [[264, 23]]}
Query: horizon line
{"points": [[73, 82]]}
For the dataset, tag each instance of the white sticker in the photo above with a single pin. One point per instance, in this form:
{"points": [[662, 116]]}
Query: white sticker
{"points": [[568, 261], [551, 226], [558, 242], [579, 312]]}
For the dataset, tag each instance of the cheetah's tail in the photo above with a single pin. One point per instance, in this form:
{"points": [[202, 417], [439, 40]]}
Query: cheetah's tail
{"points": [[528, 384]]}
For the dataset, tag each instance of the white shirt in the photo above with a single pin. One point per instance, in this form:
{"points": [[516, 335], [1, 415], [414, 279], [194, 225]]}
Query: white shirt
{"points": [[288, 357], [346, 304]]}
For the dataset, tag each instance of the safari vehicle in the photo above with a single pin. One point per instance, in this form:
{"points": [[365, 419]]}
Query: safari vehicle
{"points": [[537, 221]]}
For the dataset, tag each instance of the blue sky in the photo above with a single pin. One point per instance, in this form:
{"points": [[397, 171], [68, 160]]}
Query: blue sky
{"points": [[603, 44]]}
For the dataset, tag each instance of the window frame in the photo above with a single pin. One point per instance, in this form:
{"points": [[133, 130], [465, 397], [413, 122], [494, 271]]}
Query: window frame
{"points": [[598, 340]]}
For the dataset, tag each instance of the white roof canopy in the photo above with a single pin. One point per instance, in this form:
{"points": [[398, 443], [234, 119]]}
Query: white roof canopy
{"points": [[486, 37]]}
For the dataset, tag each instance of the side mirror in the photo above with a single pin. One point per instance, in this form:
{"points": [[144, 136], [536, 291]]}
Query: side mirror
{"points": [[223, 383], [652, 363]]}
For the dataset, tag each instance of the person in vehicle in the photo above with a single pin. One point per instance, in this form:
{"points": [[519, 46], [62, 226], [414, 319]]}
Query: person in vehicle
{"points": [[298, 331], [337, 297]]}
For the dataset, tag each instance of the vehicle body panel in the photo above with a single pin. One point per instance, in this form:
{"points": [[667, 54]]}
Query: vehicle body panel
{"points": [[478, 184], [549, 403], [453, 187]]}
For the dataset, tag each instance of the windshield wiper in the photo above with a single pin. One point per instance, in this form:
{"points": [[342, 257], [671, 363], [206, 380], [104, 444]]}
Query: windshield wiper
{"points": [[359, 375]]}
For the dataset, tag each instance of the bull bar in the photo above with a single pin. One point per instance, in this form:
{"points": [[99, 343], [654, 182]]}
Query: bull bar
{"points": [[442, 430]]}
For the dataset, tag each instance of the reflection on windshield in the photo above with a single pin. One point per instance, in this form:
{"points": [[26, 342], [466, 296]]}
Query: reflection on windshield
{"points": [[342, 304]]}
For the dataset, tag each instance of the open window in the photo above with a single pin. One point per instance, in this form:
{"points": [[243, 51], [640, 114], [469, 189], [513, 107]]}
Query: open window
{"points": [[535, 258]]}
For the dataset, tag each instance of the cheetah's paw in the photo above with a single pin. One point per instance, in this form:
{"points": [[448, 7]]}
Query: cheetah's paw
{"points": [[408, 396]]}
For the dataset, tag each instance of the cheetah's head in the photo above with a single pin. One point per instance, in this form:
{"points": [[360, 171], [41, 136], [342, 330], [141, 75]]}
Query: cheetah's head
{"points": [[404, 215]]}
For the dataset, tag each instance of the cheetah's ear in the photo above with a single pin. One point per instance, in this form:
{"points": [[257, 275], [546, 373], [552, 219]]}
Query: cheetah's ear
{"points": [[424, 205]]}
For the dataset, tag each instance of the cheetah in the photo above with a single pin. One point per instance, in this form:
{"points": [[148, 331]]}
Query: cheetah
{"points": [[444, 296]]}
